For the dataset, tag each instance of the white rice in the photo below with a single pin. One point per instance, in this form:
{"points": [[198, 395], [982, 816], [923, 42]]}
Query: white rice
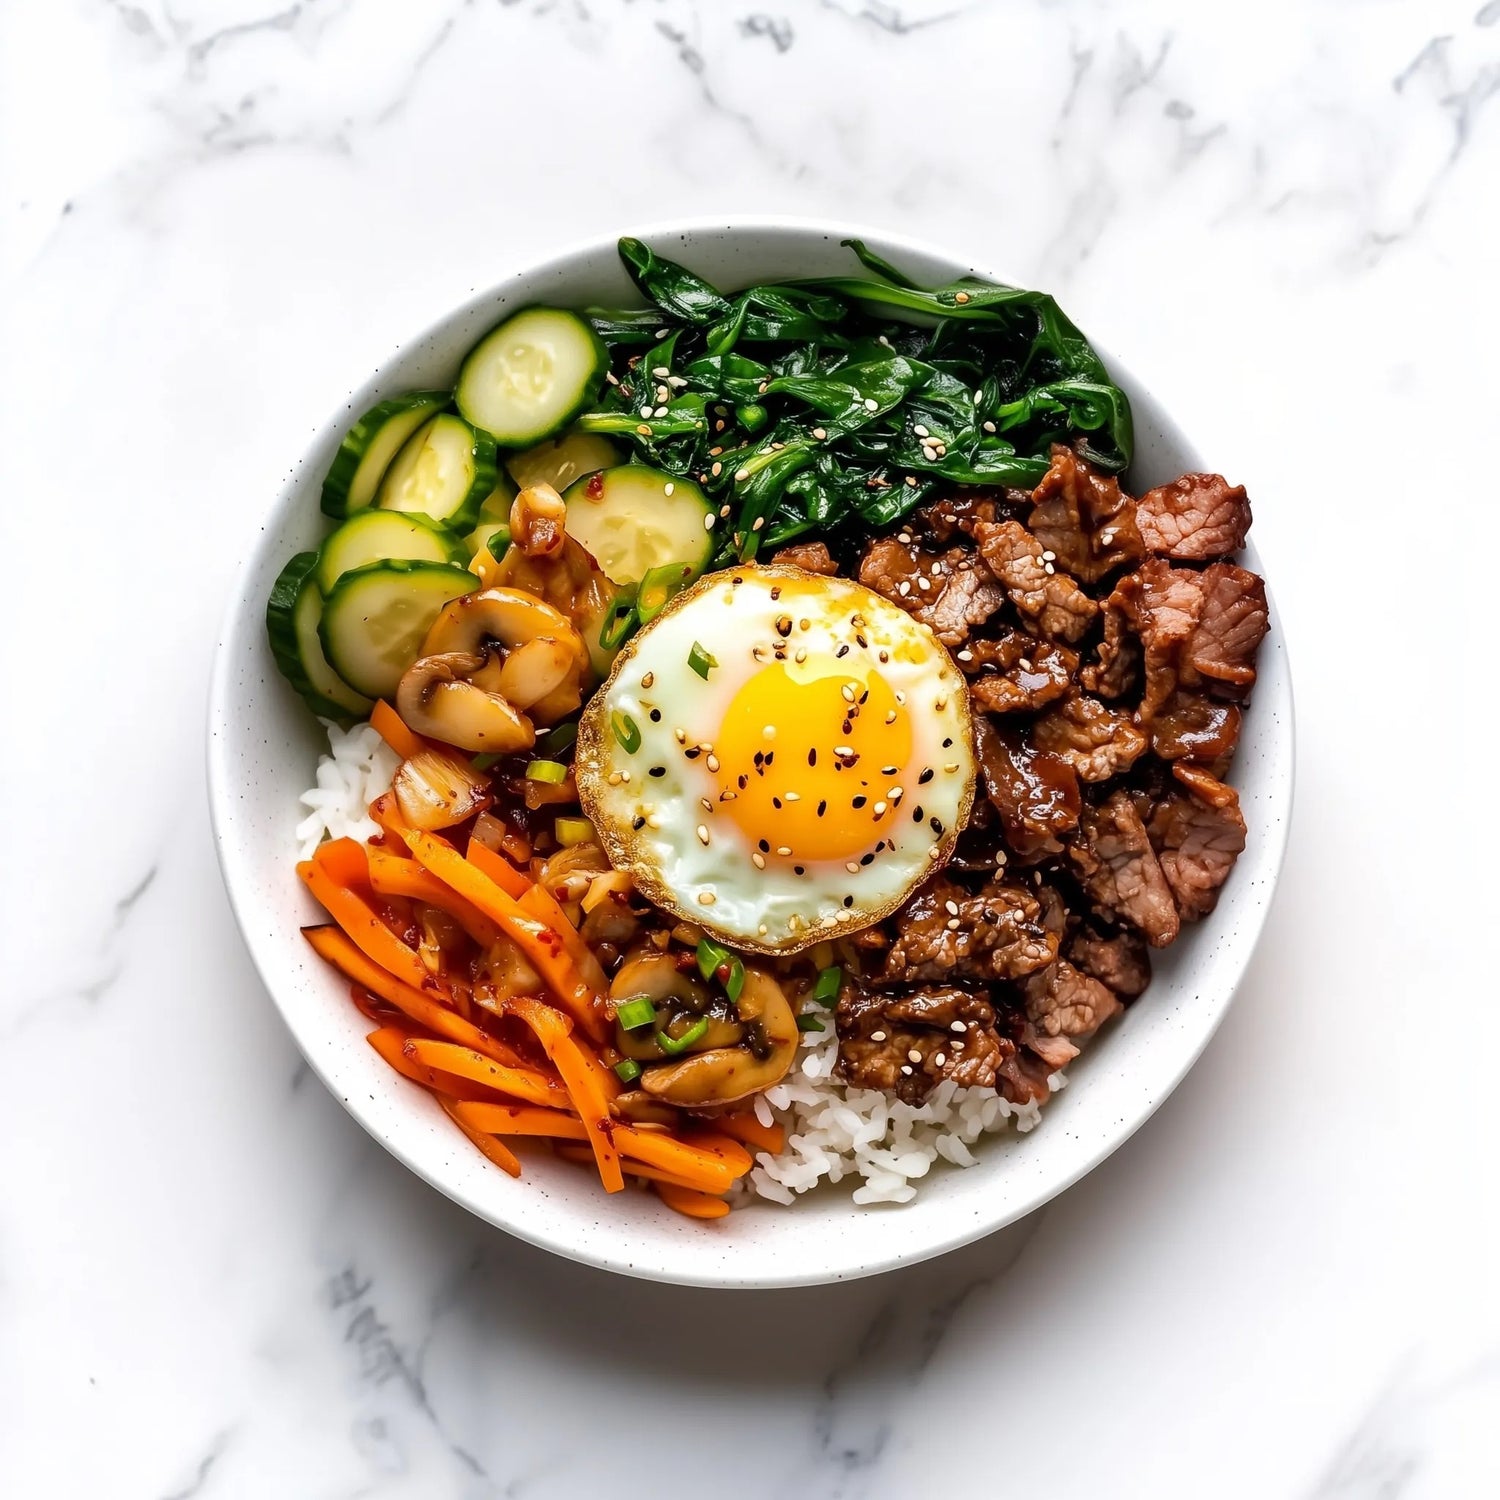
{"points": [[833, 1132]]}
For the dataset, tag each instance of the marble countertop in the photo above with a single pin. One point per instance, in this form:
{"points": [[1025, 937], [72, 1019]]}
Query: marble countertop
{"points": [[218, 215]]}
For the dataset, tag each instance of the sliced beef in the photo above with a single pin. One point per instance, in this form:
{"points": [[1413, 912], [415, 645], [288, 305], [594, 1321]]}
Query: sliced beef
{"points": [[1083, 519], [1115, 671], [1064, 1001], [1197, 836], [1035, 794], [944, 933], [909, 1042], [954, 515], [1023, 1077], [1197, 518], [814, 557], [1191, 727], [1199, 629], [1118, 868], [1096, 741], [1016, 673], [951, 592], [1036, 586], [1118, 958]]}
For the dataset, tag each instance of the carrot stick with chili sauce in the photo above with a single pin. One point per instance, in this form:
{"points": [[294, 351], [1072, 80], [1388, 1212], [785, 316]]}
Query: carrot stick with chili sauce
{"points": [[333, 946], [363, 926], [743, 1125], [524, 1119], [555, 1032], [636, 1169], [464, 1062], [392, 728], [394, 875], [543, 905], [495, 1150], [510, 880], [390, 1042], [542, 946]]}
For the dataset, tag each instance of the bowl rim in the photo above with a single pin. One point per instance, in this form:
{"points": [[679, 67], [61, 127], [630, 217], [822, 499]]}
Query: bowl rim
{"points": [[593, 1250]]}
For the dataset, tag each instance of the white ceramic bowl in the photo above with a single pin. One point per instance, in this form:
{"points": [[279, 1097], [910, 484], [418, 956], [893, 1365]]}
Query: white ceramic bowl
{"points": [[263, 746]]}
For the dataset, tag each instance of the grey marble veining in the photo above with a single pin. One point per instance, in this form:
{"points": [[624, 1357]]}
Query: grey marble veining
{"points": [[218, 215]]}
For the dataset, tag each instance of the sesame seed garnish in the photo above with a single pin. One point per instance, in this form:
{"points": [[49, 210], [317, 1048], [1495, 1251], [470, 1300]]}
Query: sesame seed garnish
{"points": [[990, 427], [940, 703], [951, 767], [783, 850], [959, 1026], [653, 820], [847, 693], [961, 297], [758, 860], [661, 333], [712, 762], [741, 475], [706, 898], [681, 735], [724, 511], [906, 1068], [852, 866], [800, 655], [903, 588], [843, 750], [758, 523], [933, 852], [668, 489], [644, 430], [1024, 664], [912, 1055], [661, 372], [648, 679], [820, 433], [615, 777], [646, 410], [716, 469], [952, 924], [708, 522], [924, 584], [900, 697], [951, 907], [879, 809], [890, 717], [871, 404], [966, 656], [702, 833], [877, 1036], [611, 377], [911, 479], [1048, 569], [921, 431], [1049, 555], [938, 1059], [792, 796]]}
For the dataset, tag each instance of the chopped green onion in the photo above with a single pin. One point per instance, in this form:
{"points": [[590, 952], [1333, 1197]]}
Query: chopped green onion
{"points": [[828, 984], [496, 538], [736, 981], [572, 831], [634, 1014], [657, 587], [628, 1070], [710, 956], [555, 741], [672, 1045], [627, 731], [700, 661], [484, 762], [619, 623], [553, 772], [810, 1023]]}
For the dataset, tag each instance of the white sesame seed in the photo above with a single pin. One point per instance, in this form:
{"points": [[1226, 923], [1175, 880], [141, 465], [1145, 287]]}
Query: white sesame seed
{"points": [[877, 1036], [624, 775], [938, 1059], [643, 429], [712, 762], [1049, 556], [959, 1026], [702, 834], [653, 821], [900, 697], [724, 511], [1048, 568], [911, 479], [792, 796], [681, 736], [843, 750], [784, 850], [961, 297], [705, 804], [676, 382], [820, 433], [906, 1069], [951, 767], [879, 809], [716, 469], [847, 693], [800, 655], [667, 489], [741, 475], [933, 852], [871, 404], [990, 427], [903, 588], [661, 333], [912, 1055], [759, 522], [904, 537], [708, 522], [611, 377], [706, 898], [614, 778], [890, 717], [925, 584], [966, 656], [952, 924], [661, 411], [951, 907], [661, 372], [759, 861], [921, 431], [662, 393], [1024, 664], [646, 410], [852, 866], [940, 703], [978, 397], [762, 929]]}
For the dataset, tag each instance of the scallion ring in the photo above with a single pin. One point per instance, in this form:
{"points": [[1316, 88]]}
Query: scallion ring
{"points": [[673, 1045], [827, 985], [553, 772], [701, 661], [627, 731], [634, 1014], [810, 1023], [628, 1070], [570, 831], [710, 956]]}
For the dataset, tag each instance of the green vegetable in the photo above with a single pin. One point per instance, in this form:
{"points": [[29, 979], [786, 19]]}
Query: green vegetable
{"points": [[559, 739], [810, 1023], [377, 535], [370, 445], [553, 772], [620, 623], [710, 956], [827, 985], [560, 461], [672, 1045], [657, 589], [701, 661], [292, 615], [627, 731], [445, 472], [734, 986], [807, 397], [634, 1014], [635, 520], [570, 831], [627, 1070]]}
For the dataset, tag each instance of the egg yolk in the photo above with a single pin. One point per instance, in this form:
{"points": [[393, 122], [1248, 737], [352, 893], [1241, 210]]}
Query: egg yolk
{"points": [[811, 758]]}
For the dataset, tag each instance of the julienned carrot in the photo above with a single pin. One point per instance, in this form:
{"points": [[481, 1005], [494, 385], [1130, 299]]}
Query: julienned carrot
{"points": [[637, 1169], [394, 875], [689, 1201], [390, 1042], [682, 1161], [368, 932], [731, 1153], [512, 881], [555, 1033], [542, 946], [743, 1125], [543, 905], [465, 1062], [497, 1151], [331, 944], [392, 728], [385, 812]]}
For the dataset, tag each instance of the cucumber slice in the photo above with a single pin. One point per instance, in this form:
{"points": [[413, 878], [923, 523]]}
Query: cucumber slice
{"points": [[445, 471], [370, 445], [491, 532], [529, 378], [378, 535], [375, 619], [292, 615], [498, 502], [634, 519], [560, 461]]}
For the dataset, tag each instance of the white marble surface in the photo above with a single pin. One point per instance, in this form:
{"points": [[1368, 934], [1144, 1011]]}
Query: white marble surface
{"points": [[217, 218]]}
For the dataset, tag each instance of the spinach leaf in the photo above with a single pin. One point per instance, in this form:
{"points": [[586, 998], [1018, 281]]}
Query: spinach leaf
{"points": [[671, 287]]}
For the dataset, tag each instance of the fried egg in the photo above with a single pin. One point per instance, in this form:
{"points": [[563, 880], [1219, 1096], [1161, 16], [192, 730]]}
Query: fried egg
{"points": [[778, 757]]}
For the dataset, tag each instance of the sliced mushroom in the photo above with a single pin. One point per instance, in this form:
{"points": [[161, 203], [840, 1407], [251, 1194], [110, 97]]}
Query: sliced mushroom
{"points": [[436, 698], [725, 1074], [506, 617], [538, 670]]}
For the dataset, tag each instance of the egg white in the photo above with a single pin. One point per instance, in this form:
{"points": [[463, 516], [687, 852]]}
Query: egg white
{"points": [[668, 830]]}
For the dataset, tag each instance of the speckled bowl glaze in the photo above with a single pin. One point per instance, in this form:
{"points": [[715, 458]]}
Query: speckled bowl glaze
{"points": [[263, 746]]}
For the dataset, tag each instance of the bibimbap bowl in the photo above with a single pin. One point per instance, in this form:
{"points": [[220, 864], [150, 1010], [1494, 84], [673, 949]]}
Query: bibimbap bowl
{"points": [[264, 747]]}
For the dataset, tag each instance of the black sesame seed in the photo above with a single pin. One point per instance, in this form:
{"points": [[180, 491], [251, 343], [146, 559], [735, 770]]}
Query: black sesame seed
{"points": [[925, 777], [799, 870], [812, 757], [770, 756], [822, 808], [947, 744], [764, 846], [848, 900], [657, 771], [742, 782], [693, 752], [917, 815], [637, 824], [776, 803], [859, 801], [843, 650], [867, 859], [935, 824], [656, 716]]}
